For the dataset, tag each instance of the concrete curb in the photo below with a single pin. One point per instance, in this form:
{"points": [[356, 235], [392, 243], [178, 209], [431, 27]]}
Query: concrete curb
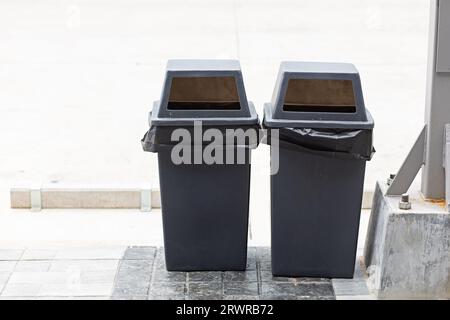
{"points": [[98, 197], [79, 197]]}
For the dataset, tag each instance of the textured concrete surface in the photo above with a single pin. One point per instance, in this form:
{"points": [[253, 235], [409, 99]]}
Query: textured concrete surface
{"points": [[255, 283], [139, 273], [407, 252]]}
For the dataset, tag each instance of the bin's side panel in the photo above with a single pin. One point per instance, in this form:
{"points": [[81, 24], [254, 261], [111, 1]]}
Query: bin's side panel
{"points": [[316, 205], [205, 215]]}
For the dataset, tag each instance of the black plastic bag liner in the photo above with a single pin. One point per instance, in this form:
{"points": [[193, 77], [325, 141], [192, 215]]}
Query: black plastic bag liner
{"points": [[158, 137], [335, 143]]}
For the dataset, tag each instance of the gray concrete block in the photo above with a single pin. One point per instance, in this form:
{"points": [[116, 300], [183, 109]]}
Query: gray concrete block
{"points": [[251, 263], [350, 287], [240, 289], [130, 291], [264, 265], [407, 252], [240, 276], [204, 291], [204, 276], [277, 297], [137, 265], [128, 297], [302, 290], [139, 253], [130, 279], [240, 297], [267, 276], [263, 254], [162, 275], [316, 298], [167, 291]]}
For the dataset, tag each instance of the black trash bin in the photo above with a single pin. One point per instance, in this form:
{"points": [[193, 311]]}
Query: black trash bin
{"points": [[325, 139], [205, 204]]}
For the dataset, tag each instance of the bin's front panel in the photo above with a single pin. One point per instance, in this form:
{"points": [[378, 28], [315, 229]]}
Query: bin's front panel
{"points": [[316, 205], [205, 215]]}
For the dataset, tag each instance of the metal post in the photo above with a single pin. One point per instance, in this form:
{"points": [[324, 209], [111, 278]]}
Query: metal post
{"points": [[428, 150], [437, 112]]}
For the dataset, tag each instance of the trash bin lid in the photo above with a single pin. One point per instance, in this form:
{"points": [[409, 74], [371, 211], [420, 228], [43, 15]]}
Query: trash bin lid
{"points": [[208, 90], [318, 95]]}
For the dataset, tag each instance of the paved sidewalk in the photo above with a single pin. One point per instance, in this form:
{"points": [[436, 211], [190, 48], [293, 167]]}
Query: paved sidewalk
{"points": [[139, 273]]}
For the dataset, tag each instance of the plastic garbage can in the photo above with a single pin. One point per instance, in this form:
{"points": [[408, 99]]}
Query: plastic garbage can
{"points": [[325, 139], [204, 203]]}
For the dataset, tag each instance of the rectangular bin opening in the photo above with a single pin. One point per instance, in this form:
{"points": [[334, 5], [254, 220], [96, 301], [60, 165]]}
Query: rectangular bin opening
{"points": [[204, 93], [319, 95]]}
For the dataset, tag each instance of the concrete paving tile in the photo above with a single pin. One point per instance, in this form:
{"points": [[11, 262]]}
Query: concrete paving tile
{"points": [[168, 276], [84, 265], [145, 266], [204, 291], [4, 276], [263, 254], [172, 297], [21, 290], [127, 280], [75, 290], [129, 291], [33, 266], [241, 297], [351, 287], [264, 265], [277, 297], [133, 279], [18, 277], [7, 266], [2, 285], [139, 253], [92, 277], [57, 298], [356, 297], [232, 276], [160, 259], [251, 259], [315, 298], [10, 254], [38, 254], [113, 297], [77, 298], [267, 276], [167, 291], [17, 298], [251, 264], [302, 290], [114, 253], [204, 276], [240, 288]]}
